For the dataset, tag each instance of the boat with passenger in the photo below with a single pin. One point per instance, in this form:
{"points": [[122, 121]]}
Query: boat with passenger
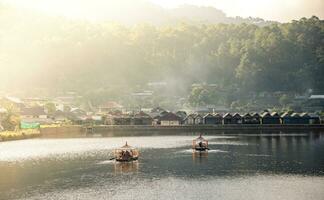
{"points": [[126, 153], [200, 144]]}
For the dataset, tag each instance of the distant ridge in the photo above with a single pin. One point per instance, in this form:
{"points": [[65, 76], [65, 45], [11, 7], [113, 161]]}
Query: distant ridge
{"points": [[127, 12]]}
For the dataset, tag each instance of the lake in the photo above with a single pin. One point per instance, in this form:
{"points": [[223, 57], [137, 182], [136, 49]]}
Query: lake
{"points": [[238, 166]]}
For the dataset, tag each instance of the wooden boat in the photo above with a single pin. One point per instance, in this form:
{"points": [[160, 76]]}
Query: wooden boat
{"points": [[200, 144], [126, 153]]}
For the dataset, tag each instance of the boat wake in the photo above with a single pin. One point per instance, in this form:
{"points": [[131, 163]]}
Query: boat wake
{"points": [[106, 162], [209, 151]]}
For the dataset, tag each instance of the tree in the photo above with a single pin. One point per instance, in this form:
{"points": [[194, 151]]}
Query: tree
{"points": [[11, 120]]}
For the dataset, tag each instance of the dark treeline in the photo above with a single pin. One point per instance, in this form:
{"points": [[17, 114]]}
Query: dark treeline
{"points": [[237, 60]]}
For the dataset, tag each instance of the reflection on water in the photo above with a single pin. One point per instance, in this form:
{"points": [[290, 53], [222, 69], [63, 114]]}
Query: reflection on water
{"points": [[272, 166], [126, 167]]}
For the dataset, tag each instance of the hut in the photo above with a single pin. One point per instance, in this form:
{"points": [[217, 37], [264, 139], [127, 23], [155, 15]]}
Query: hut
{"points": [[142, 118], [169, 119], [314, 118], [304, 118], [296, 118], [286, 118], [237, 118], [210, 119], [194, 119], [256, 118], [227, 118], [218, 118], [199, 119], [190, 119], [272, 118], [181, 114], [247, 118]]}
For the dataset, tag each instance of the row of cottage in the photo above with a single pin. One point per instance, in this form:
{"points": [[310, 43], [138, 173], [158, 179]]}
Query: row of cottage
{"points": [[181, 118]]}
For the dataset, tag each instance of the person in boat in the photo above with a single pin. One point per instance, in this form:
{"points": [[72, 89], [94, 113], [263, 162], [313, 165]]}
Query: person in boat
{"points": [[200, 144], [127, 155]]}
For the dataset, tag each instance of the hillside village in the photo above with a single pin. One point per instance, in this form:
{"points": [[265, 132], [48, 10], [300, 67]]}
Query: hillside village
{"points": [[61, 110]]}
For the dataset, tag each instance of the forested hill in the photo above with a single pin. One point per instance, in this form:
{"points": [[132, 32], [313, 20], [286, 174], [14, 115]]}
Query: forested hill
{"points": [[61, 54], [130, 12]]}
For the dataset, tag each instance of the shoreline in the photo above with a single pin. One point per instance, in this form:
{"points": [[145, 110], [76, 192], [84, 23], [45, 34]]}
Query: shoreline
{"points": [[77, 130], [232, 127], [19, 135]]}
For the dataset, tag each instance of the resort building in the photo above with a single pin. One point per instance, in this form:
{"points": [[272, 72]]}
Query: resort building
{"points": [[169, 119], [213, 119]]}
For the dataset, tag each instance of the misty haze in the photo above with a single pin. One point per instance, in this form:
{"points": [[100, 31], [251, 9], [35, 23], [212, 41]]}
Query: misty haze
{"points": [[152, 99]]}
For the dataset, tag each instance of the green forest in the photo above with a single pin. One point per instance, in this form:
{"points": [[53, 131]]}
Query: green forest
{"points": [[203, 63]]}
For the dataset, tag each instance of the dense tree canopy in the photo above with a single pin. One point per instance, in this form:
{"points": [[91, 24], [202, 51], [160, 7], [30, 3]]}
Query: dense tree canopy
{"points": [[58, 54]]}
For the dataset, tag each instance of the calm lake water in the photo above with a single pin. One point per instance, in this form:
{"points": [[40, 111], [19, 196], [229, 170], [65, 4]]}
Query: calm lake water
{"points": [[268, 166]]}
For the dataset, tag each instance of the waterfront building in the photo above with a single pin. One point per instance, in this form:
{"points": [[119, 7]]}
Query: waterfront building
{"points": [[190, 119], [210, 119], [199, 119], [256, 118], [237, 118], [272, 118], [213, 119], [142, 118], [314, 118], [169, 119], [182, 115], [227, 118], [247, 118]]}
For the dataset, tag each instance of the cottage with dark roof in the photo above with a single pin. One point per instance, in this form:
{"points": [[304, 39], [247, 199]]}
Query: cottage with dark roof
{"points": [[237, 118], [247, 118], [192, 119], [169, 119], [142, 118], [272, 118], [213, 119], [227, 118]]}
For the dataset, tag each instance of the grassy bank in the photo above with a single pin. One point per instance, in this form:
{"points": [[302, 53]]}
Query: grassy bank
{"points": [[18, 135]]}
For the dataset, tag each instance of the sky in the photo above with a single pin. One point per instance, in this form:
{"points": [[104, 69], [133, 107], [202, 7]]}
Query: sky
{"points": [[278, 10]]}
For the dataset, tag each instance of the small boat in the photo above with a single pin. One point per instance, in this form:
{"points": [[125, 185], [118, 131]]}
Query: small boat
{"points": [[200, 144], [126, 153]]}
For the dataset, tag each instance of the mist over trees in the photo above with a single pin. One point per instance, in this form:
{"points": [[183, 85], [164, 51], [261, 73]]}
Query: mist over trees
{"points": [[100, 60]]}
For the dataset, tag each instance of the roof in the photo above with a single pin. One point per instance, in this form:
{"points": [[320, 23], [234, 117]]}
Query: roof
{"points": [[170, 117], [237, 115], [285, 115], [275, 114], [227, 115], [35, 111], [295, 115], [313, 115], [209, 115], [218, 115], [126, 146], [158, 110], [265, 114], [255, 114], [304, 115], [142, 115], [200, 138], [316, 97], [247, 115]]}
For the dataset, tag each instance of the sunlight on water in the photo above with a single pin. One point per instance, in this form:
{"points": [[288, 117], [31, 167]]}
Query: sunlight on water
{"points": [[190, 151], [67, 148], [236, 167], [251, 188]]}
